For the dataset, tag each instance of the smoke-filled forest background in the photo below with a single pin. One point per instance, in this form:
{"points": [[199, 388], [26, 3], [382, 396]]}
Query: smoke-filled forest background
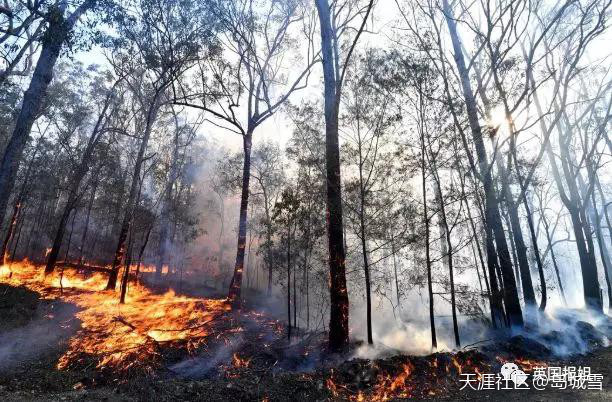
{"points": [[409, 173]]}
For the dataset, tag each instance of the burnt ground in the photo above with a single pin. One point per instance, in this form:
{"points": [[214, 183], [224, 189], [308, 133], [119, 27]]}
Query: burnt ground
{"points": [[246, 358]]}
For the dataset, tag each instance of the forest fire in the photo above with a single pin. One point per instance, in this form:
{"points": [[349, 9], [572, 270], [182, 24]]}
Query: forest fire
{"points": [[527, 365], [239, 362], [404, 377], [121, 336]]}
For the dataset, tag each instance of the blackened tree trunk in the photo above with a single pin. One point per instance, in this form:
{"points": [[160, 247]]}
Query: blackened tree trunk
{"points": [[582, 233], [236, 283], [339, 302], [142, 249], [521, 248], [126, 271], [536, 253], [134, 188], [289, 281], [432, 322], [603, 249], [552, 255], [94, 189], [493, 219]]}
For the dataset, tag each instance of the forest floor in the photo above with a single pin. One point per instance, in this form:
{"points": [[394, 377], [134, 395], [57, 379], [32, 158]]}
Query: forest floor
{"points": [[241, 356]]}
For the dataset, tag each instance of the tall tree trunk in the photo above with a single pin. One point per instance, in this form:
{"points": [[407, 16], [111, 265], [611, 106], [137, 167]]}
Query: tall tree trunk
{"points": [[236, 283], [20, 227], [536, 253], [289, 281], [603, 249], [268, 250], [126, 271], [588, 268], [142, 249], [552, 255], [339, 302], [432, 322], [67, 254], [604, 208], [56, 34], [366, 272], [134, 188], [493, 220], [164, 219], [397, 288], [447, 250], [519, 242], [94, 189]]}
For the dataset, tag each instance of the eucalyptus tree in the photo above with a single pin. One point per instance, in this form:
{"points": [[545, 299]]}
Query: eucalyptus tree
{"points": [[368, 123], [175, 160], [339, 38], [157, 46], [253, 73]]}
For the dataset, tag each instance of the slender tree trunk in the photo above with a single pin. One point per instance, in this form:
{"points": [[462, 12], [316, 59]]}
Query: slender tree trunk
{"points": [[164, 241], [493, 220], [432, 323], [268, 251], [604, 208], [142, 249], [447, 251], [67, 254], [129, 208], [553, 257], [366, 272], [603, 249], [536, 252], [289, 282], [87, 218], [588, 269], [521, 248], [364, 242], [236, 283], [339, 302], [397, 288], [126, 271], [11, 229], [517, 273]]}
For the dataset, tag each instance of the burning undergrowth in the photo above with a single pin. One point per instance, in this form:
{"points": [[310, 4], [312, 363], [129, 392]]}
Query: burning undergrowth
{"points": [[124, 339], [182, 347], [404, 376]]}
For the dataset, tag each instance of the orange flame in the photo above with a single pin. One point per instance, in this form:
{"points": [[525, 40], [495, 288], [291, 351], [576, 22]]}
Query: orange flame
{"points": [[121, 336]]}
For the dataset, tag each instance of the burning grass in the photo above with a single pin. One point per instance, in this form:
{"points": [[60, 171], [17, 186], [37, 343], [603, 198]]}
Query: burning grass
{"points": [[120, 337], [403, 376]]}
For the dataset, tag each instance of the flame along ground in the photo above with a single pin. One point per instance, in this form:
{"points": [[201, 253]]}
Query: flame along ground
{"points": [[127, 337], [119, 336]]}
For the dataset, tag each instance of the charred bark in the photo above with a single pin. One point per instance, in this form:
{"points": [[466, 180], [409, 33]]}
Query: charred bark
{"points": [[339, 302], [236, 283]]}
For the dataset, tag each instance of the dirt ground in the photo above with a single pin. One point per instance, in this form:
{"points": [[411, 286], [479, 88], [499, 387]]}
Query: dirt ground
{"points": [[28, 372]]}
